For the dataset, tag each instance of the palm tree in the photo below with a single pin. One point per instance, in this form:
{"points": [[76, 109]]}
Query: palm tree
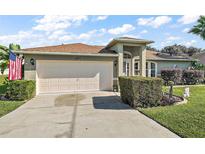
{"points": [[4, 55], [199, 28]]}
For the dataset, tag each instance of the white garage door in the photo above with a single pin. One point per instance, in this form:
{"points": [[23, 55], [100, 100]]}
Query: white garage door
{"points": [[66, 76]]}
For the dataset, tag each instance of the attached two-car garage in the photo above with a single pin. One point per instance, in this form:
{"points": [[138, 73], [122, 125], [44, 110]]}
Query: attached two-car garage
{"points": [[68, 76]]}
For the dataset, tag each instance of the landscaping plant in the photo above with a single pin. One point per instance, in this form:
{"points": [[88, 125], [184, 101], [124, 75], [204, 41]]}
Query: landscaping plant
{"points": [[173, 75], [20, 89], [192, 76], [141, 91]]}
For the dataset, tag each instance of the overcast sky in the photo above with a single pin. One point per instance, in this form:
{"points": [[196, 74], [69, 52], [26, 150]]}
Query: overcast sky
{"points": [[33, 31]]}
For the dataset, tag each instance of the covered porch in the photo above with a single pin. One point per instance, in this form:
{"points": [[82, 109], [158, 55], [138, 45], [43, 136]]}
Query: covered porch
{"points": [[132, 57]]}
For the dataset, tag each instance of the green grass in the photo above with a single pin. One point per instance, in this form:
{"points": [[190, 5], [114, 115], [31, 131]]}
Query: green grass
{"points": [[2, 86], [187, 120], [7, 106]]}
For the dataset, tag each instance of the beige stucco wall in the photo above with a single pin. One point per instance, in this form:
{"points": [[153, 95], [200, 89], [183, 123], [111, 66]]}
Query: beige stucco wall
{"points": [[137, 50], [201, 58], [30, 70]]}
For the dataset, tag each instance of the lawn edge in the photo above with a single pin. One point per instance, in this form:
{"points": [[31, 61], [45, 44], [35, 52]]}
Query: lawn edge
{"points": [[14, 109], [181, 136]]}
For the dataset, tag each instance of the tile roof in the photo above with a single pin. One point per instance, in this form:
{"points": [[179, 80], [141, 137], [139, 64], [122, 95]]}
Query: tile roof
{"points": [[153, 55], [75, 48]]}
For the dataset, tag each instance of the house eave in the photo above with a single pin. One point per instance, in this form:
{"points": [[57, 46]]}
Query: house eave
{"points": [[114, 41], [188, 60], [66, 53]]}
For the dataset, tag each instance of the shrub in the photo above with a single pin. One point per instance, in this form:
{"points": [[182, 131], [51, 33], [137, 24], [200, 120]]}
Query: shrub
{"points": [[141, 91], [192, 76], [20, 89], [174, 75]]}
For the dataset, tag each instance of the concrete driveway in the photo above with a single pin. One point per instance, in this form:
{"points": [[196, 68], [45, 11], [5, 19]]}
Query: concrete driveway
{"points": [[93, 114]]}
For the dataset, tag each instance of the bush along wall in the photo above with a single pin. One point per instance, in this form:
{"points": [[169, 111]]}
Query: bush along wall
{"points": [[174, 75], [141, 91], [21, 89], [179, 76], [192, 76]]}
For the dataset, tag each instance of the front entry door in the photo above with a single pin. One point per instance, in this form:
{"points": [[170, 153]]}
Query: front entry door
{"points": [[127, 67]]}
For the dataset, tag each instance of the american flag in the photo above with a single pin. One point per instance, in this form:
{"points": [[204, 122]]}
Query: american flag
{"points": [[15, 67]]}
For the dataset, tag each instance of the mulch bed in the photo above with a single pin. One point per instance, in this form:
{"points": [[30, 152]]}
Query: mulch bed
{"points": [[166, 101]]}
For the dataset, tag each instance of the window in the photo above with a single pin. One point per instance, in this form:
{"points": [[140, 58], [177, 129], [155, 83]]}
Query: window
{"points": [[147, 69], [137, 68], [126, 63], [153, 69]]}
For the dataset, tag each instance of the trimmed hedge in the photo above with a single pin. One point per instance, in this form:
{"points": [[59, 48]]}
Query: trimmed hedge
{"points": [[21, 89], [192, 76], [174, 75], [141, 91], [182, 77]]}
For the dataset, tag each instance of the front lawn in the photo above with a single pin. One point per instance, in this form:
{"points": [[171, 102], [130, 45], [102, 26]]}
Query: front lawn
{"points": [[7, 106], [186, 120]]}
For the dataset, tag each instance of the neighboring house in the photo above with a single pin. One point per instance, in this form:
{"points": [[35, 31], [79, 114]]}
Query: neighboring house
{"points": [[81, 67], [200, 57]]}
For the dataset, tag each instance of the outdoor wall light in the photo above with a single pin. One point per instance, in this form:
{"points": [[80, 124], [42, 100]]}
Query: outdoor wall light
{"points": [[32, 61]]}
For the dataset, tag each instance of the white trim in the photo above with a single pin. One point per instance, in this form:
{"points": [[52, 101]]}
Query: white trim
{"points": [[67, 53], [127, 52], [149, 68]]}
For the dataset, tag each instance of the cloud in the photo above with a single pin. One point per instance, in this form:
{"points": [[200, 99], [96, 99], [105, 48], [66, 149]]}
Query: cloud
{"points": [[101, 18], [132, 36], [121, 30], [190, 43], [56, 34], [188, 19], [165, 43], [87, 35], [21, 37], [144, 32], [185, 30], [154, 22], [173, 38], [84, 36], [51, 23]]}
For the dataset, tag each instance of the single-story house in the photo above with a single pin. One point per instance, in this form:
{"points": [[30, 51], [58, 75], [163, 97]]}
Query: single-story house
{"points": [[82, 67]]}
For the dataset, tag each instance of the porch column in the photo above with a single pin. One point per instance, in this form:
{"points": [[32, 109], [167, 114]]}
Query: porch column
{"points": [[120, 59], [143, 61], [133, 66]]}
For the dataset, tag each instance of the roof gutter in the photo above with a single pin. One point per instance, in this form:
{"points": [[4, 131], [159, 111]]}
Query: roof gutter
{"points": [[66, 53], [173, 59]]}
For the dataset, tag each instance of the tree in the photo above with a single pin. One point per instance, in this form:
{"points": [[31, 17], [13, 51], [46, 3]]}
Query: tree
{"points": [[152, 48], [181, 50], [172, 50], [192, 50], [199, 28], [4, 55]]}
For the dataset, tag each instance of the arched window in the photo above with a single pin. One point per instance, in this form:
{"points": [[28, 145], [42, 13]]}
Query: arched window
{"points": [[127, 55]]}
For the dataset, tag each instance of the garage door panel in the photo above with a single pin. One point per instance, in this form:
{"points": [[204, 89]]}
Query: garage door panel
{"points": [[62, 76]]}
